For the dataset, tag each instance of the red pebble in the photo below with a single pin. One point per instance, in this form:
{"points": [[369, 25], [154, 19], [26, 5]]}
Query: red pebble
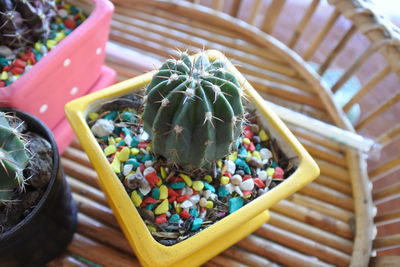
{"points": [[228, 174], [279, 173], [249, 134], [259, 183], [246, 127], [7, 68], [183, 198], [161, 219], [142, 167], [69, 23], [245, 177], [17, 70], [172, 193], [175, 179], [184, 214], [19, 63], [251, 147], [172, 199], [247, 192], [148, 200], [152, 178], [2, 84], [142, 145]]}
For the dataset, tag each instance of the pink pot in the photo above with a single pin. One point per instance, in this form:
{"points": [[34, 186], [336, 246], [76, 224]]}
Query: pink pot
{"points": [[68, 71]]}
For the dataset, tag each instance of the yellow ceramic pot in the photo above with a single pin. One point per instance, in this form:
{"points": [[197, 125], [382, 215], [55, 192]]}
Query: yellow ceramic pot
{"points": [[217, 237]]}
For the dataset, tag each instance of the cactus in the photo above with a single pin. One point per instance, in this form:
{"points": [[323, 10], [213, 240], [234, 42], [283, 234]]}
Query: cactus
{"points": [[13, 158], [193, 111], [24, 22]]}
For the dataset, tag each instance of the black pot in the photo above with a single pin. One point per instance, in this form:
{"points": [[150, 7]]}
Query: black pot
{"points": [[48, 229]]}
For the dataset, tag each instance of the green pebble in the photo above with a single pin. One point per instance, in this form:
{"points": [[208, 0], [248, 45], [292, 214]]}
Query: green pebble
{"points": [[242, 153], [61, 27], [178, 185], [274, 164], [258, 147], [150, 206], [223, 191], [135, 141], [196, 224], [235, 203], [155, 193], [147, 157], [111, 116], [126, 131], [74, 10], [242, 163], [174, 218], [194, 212], [127, 116], [3, 62], [68, 31], [207, 186]]}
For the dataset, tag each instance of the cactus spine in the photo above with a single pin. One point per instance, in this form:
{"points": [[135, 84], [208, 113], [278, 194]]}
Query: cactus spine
{"points": [[24, 22], [193, 111], [13, 158]]}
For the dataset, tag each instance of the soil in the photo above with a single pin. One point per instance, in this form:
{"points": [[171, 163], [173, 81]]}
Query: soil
{"points": [[37, 175]]}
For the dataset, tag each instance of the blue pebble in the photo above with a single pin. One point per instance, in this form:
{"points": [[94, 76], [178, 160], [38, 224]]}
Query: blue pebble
{"points": [[196, 224], [194, 212], [235, 203], [223, 191], [111, 116], [150, 206], [178, 185], [174, 218], [155, 193], [207, 186], [242, 163]]}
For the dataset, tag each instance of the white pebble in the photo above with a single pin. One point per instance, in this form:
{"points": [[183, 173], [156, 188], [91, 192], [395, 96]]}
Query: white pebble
{"points": [[237, 190], [5, 51], [262, 175], [265, 153], [103, 128], [203, 214], [231, 166], [144, 188], [203, 202], [206, 194], [230, 188], [195, 199], [148, 163], [127, 169], [143, 136], [236, 179], [128, 140], [168, 214], [187, 191], [62, 13], [186, 204], [247, 185], [213, 196]]}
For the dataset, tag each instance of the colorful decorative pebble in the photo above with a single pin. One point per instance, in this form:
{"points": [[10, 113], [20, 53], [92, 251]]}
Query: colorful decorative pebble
{"points": [[13, 66], [180, 199]]}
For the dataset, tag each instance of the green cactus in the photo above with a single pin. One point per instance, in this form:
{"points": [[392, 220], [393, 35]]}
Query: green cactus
{"points": [[193, 111], [13, 158], [24, 22]]}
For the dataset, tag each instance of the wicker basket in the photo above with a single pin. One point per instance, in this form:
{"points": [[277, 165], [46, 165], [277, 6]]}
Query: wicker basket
{"points": [[284, 50]]}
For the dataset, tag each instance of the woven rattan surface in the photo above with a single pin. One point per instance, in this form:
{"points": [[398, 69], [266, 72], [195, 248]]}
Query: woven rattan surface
{"points": [[329, 222]]}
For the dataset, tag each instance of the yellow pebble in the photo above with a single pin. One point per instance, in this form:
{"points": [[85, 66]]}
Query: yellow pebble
{"points": [[198, 186], [159, 183], [233, 156], [135, 197], [60, 36], [124, 154], [263, 135], [246, 141], [256, 154], [118, 139], [209, 204], [111, 149], [163, 192], [135, 151], [59, 20], [178, 207], [163, 172], [270, 172], [225, 180], [93, 116], [51, 43], [111, 141], [186, 178], [151, 228], [207, 178], [248, 157], [4, 76], [246, 196], [148, 147], [219, 164], [116, 164], [38, 46], [162, 208]]}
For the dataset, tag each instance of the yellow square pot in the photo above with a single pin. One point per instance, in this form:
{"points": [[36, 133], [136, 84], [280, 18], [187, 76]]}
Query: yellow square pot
{"points": [[217, 237]]}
